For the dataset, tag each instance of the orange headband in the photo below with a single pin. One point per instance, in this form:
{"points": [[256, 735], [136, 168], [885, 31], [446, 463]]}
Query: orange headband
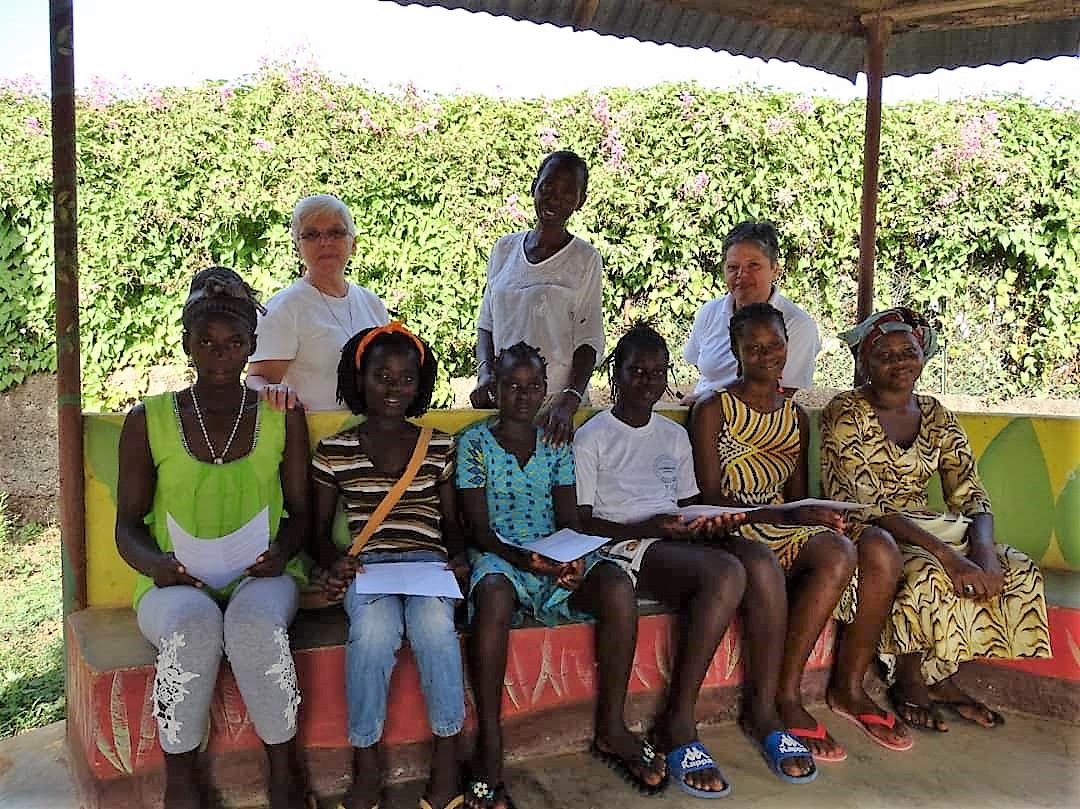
{"points": [[393, 327]]}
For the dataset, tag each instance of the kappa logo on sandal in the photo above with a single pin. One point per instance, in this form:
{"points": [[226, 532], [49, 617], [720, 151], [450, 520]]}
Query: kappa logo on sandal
{"points": [[788, 745], [696, 757]]}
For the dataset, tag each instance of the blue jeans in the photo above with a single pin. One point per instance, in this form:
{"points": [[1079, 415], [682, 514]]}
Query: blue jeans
{"points": [[377, 624]]}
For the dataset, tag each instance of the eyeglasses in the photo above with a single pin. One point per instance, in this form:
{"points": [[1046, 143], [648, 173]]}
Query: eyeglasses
{"points": [[314, 236]]}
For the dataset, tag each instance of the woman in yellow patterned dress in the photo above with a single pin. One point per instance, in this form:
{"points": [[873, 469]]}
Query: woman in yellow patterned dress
{"points": [[750, 448], [962, 596]]}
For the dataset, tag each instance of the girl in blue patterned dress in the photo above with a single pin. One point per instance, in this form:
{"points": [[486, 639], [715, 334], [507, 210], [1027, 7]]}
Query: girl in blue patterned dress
{"points": [[516, 487]]}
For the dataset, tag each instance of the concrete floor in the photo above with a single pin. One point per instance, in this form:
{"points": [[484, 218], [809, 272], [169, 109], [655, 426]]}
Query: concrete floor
{"points": [[1029, 763]]}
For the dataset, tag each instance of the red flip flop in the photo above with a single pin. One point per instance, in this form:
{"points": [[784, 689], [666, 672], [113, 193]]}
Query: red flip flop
{"points": [[864, 720], [818, 734]]}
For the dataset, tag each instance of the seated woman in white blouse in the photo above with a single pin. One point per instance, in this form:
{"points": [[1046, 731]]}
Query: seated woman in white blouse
{"points": [[751, 267], [306, 324]]}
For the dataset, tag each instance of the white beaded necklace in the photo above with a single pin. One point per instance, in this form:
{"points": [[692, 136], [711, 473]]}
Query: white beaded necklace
{"points": [[219, 459]]}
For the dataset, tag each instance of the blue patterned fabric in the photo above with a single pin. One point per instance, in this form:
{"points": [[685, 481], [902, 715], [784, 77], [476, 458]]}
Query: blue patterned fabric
{"points": [[521, 508], [519, 501]]}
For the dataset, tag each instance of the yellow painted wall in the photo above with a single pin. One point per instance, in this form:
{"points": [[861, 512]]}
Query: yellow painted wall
{"points": [[1029, 465]]}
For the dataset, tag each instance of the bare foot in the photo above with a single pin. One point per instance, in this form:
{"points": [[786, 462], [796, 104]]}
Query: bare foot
{"points": [[810, 732], [949, 695], [917, 710]]}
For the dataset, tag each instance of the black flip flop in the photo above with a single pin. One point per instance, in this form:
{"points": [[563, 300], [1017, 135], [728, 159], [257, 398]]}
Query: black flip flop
{"points": [[623, 769]]}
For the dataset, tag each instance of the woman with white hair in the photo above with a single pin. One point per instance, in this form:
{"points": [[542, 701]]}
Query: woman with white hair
{"points": [[306, 324]]}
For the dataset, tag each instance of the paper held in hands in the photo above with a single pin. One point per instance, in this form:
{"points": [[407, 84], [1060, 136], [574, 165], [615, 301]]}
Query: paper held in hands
{"points": [[838, 505], [408, 579], [565, 545], [690, 513], [217, 562]]}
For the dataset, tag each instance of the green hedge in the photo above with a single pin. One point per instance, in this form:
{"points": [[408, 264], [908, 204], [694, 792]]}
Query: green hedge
{"points": [[976, 206]]}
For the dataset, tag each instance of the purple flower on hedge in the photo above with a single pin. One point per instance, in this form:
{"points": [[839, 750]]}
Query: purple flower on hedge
{"points": [[262, 145], [601, 111], [225, 93], [548, 137], [947, 199], [695, 186], [367, 123], [513, 210], [156, 101], [804, 106], [687, 100], [33, 126], [424, 127], [100, 96], [615, 149], [777, 124]]}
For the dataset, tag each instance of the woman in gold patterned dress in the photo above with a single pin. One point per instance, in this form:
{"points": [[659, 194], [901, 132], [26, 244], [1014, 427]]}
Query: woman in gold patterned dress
{"points": [[750, 448], [962, 596]]}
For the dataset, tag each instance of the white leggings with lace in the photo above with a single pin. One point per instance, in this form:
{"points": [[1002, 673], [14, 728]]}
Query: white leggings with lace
{"points": [[190, 632]]}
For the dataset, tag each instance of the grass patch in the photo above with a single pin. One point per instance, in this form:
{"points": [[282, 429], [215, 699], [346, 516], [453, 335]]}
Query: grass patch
{"points": [[31, 626]]}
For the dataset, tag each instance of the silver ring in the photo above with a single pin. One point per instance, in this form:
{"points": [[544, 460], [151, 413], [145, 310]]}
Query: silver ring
{"points": [[969, 588]]}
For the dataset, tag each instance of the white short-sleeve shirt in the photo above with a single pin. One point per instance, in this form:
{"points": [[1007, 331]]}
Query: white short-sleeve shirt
{"points": [[308, 328], [555, 305], [709, 344], [628, 474]]}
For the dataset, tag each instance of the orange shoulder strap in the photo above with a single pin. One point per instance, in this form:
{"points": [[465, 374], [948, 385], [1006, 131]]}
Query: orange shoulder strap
{"points": [[392, 496]]}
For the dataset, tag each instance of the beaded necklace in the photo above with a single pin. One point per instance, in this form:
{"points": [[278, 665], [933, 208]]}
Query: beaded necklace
{"points": [[218, 459]]}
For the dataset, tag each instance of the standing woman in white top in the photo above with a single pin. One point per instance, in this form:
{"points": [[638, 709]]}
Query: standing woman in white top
{"points": [[543, 289], [751, 267], [306, 324]]}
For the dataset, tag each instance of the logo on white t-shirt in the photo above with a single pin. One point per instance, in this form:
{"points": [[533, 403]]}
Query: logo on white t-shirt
{"points": [[667, 472]]}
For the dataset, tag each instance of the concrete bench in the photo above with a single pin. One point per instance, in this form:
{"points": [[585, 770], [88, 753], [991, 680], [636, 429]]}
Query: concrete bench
{"points": [[549, 690]]}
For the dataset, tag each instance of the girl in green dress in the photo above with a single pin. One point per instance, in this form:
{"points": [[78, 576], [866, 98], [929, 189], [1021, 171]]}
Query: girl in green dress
{"points": [[210, 467]]}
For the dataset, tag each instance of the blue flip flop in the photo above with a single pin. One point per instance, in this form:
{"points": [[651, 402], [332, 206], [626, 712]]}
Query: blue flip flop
{"points": [[691, 758], [780, 745]]}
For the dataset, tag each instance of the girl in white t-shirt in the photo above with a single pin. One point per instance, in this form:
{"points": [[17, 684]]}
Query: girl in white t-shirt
{"points": [[635, 469], [544, 289]]}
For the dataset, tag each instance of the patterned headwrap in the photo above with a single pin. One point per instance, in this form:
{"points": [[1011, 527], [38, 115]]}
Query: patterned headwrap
{"points": [[393, 327], [861, 338], [219, 290]]}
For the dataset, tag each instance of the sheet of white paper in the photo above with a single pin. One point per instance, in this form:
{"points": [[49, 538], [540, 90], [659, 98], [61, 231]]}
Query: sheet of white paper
{"points": [[219, 561], [565, 545], [408, 579], [839, 505], [693, 512]]}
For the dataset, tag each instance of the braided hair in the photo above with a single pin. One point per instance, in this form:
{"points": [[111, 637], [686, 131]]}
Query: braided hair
{"points": [[221, 291], [641, 337], [518, 352], [350, 386], [752, 313]]}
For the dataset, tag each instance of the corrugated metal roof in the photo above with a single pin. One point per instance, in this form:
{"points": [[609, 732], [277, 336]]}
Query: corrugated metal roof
{"points": [[820, 41]]}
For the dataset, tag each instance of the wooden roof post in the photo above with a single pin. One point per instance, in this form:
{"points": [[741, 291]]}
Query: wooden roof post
{"points": [[877, 35], [66, 275]]}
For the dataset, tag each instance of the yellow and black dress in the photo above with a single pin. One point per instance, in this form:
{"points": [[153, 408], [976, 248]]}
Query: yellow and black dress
{"points": [[758, 453], [860, 463]]}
